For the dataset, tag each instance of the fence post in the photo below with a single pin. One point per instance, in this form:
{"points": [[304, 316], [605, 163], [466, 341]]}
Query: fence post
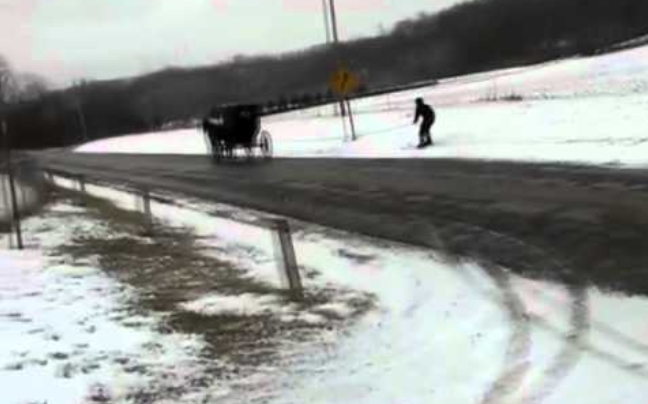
{"points": [[12, 188], [82, 186], [289, 259]]}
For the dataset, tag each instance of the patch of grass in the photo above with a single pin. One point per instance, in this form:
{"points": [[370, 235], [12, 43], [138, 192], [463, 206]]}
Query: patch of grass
{"points": [[168, 266]]}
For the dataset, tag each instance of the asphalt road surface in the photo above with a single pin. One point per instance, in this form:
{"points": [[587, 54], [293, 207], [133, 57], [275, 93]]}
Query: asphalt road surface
{"points": [[579, 225]]}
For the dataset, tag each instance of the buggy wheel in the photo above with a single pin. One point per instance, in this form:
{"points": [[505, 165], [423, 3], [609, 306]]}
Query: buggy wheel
{"points": [[249, 152], [265, 144], [228, 151], [218, 151]]}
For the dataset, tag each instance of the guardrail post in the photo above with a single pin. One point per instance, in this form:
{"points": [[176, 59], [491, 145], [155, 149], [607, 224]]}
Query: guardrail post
{"points": [[291, 269], [146, 205], [82, 186]]}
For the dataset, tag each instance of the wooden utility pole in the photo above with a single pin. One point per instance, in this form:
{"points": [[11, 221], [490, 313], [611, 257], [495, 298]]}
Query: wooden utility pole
{"points": [[353, 131], [336, 37], [327, 24], [345, 103], [336, 44]]}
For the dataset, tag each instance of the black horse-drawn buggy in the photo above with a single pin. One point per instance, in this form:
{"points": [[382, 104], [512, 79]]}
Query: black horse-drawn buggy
{"points": [[233, 128]]}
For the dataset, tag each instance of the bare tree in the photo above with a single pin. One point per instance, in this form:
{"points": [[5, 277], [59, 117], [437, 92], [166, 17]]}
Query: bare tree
{"points": [[19, 86], [30, 86], [7, 82]]}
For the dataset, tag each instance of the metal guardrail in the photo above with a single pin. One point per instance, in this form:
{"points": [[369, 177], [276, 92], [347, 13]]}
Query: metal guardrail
{"points": [[280, 228]]}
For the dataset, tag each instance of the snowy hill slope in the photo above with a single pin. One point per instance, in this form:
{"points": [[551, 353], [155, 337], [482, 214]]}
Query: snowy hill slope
{"points": [[586, 110]]}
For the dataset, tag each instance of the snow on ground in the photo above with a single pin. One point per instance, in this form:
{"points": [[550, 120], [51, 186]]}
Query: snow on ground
{"points": [[66, 335], [463, 335], [249, 304], [619, 73], [583, 110], [601, 130], [439, 332]]}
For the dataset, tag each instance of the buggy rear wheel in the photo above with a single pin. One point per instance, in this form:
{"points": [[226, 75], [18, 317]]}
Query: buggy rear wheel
{"points": [[249, 152], [217, 151], [227, 151], [265, 144]]}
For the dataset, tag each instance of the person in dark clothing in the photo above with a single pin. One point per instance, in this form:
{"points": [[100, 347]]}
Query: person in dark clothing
{"points": [[427, 113]]}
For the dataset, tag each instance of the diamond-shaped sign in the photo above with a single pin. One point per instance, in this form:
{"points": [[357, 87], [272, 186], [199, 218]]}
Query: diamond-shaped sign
{"points": [[344, 82]]}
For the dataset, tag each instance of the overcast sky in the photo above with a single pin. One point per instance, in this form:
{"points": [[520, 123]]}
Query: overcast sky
{"points": [[65, 40]]}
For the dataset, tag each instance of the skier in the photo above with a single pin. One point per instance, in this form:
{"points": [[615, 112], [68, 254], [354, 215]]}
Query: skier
{"points": [[427, 113]]}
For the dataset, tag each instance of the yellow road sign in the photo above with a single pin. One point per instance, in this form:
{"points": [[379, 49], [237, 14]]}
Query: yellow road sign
{"points": [[344, 82]]}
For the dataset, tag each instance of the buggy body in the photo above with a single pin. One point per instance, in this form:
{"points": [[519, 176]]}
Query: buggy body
{"points": [[236, 127]]}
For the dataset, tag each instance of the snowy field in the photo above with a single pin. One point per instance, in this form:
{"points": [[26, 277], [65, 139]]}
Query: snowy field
{"points": [[438, 331], [580, 110]]}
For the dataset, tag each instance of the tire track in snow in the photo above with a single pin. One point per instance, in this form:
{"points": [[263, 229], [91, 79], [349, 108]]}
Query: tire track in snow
{"points": [[575, 339], [610, 334], [516, 363], [517, 366], [576, 343], [568, 357]]}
